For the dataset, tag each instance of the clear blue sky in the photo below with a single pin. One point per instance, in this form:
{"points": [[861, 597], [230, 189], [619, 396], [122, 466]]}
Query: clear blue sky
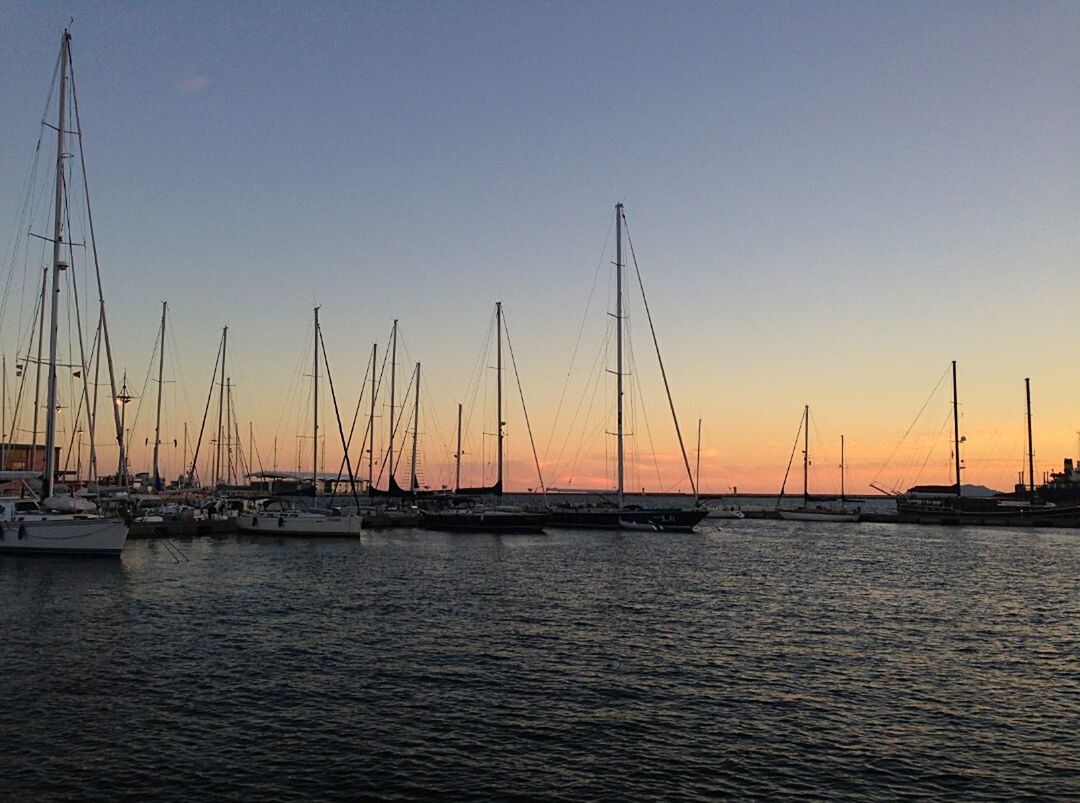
{"points": [[829, 200]]}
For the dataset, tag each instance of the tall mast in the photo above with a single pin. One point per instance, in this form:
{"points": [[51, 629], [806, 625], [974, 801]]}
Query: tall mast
{"points": [[393, 382], [3, 416], [187, 479], [58, 266], [121, 440], [221, 406], [842, 469], [619, 347], [956, 428], [457, 454], [40, 360], [371, 424], [160, 378], [315, 418], [413, 484], [228, 431], [124, 398], [1031, 447], [499, 393], [806, 455], [697, 468]]}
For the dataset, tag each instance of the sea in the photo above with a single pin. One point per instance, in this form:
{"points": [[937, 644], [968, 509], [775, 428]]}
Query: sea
{"points": [[749, 660]]}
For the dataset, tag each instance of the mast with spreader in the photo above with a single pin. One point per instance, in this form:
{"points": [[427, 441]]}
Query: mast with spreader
{"points": [[956, 429], [161, 374]]}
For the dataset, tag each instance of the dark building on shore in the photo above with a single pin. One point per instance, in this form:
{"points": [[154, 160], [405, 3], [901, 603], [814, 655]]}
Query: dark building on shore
{"points": [[24, 457]]}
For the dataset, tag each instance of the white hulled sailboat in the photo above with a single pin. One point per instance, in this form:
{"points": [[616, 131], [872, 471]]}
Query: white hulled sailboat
{"points": [[27, 526]]}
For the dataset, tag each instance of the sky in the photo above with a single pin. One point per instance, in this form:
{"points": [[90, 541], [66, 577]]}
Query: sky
{"points": [[828, 202]]}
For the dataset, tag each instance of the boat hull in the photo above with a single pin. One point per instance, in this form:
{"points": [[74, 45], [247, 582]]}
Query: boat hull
{"points": [[815, 515], [655, 519], [75, 536], [726, 514], [484, 522], [986, 513], [277, 524], [181, 529]]}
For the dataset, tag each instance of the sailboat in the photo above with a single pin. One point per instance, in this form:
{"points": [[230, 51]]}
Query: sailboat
{"points": [[620, 515], [817, 511], [27, 526], [466, 515], [277, 517], [946, 504]]}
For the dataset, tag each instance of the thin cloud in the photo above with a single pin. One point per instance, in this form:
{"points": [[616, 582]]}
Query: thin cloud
{"points": [[194, 84]]}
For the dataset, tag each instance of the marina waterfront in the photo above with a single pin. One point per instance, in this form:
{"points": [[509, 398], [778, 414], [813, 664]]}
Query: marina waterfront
{"points": [[762, 659]]}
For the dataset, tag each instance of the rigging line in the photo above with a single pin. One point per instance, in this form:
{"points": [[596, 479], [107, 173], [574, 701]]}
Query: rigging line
{"points": [[577, 344], [911, 426], [472, 391], [84, 366], [96, 357], [594, 378], [524, 410], [397, 428], [663, 371], [645, 418], [97, 263], [177, 366], [146, 383], [356, 415], [26, 209], [258, 456], [472, 388], [287, 407], [24, 374], [193, 472], [241, 456], [930, 452], [17, 246], [434, 430], [783, 486]]}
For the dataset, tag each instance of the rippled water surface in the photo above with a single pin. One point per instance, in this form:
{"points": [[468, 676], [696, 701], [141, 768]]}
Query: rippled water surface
{"points": [[763, 659]]}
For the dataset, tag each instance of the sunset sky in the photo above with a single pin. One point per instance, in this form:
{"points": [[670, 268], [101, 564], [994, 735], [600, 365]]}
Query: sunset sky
{"points": [[829, 202]]}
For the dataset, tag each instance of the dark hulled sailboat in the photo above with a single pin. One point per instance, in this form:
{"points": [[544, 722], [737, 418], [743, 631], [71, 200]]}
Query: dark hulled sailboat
{"points": [[618, 515], [466, 513]]}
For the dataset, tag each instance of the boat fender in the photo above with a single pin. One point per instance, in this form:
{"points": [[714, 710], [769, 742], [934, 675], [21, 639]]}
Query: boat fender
{"points": [[3, 532], [281, 521], [22, 531], [254, 521]]}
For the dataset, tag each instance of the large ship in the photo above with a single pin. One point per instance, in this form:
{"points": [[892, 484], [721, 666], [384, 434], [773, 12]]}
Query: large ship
{"points": [[1062, 486]]}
